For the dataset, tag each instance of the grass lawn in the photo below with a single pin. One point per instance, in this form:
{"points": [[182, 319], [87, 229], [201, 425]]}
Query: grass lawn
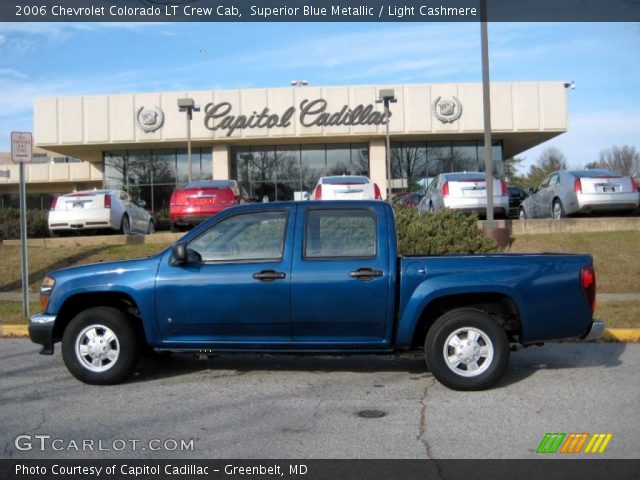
{"points": [[616, 255], [11, 312]]}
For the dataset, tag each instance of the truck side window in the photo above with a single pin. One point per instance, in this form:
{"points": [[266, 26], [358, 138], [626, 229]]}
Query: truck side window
{"points": [[340, 233], [248, 236]]}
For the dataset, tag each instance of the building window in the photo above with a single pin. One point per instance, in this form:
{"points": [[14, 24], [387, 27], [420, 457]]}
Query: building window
{"points": [[289, 172], [414, 164], [151, 175]]}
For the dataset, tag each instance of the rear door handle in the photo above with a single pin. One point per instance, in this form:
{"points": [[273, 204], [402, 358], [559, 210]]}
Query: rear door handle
{"points": [[366, 274], [269, 275]]}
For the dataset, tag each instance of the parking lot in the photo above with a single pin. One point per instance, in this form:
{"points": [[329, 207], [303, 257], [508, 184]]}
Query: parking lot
{"points": [[277, 406]]}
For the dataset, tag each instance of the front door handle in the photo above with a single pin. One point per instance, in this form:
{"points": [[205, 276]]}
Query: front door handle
{"points": [[269, 275], [366, 274]]}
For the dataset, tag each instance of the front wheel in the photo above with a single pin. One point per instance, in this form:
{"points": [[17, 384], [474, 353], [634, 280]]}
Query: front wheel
{"points": [[522, 214], [125, 227], [466, 349], [99, 346]]}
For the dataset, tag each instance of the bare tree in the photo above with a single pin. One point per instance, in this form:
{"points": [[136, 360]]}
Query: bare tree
{"points": [[550, 160], [624, 160]]}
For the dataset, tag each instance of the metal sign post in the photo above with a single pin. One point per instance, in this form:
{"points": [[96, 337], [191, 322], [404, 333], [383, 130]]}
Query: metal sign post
{"points": [[21, 152]]}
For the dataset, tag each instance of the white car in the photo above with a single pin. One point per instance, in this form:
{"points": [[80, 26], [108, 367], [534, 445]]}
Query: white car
{"points": [[345, 187], [466, 191], [111, 210]]}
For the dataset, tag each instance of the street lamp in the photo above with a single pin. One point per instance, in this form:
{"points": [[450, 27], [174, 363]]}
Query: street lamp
{"points": [[571, 85], [188, 105], [387, 96]]}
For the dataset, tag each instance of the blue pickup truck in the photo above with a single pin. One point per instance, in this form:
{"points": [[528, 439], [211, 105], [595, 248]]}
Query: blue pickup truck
{"points": [[313, 277]]}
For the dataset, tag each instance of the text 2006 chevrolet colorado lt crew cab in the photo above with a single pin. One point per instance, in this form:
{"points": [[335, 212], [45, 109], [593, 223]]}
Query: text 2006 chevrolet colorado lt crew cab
{"points": [[313, 277]]}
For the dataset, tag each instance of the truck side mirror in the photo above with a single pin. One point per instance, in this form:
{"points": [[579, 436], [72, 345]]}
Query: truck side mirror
{"points": [[179, 254]]}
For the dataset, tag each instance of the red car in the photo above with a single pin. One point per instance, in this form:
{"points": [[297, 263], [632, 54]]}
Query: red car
{"points": [[201, 199]]}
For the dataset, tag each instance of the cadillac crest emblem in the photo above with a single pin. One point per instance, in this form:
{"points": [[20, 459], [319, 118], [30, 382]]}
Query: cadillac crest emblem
{"points": [[447, 111], [150, 119]]}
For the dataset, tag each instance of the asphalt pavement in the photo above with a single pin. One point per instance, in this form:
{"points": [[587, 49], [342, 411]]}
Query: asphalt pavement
{"points": [[280, 406]]}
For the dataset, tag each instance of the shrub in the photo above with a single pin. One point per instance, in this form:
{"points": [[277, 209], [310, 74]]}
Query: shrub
{"points": [[10, 223], [446, 231]]}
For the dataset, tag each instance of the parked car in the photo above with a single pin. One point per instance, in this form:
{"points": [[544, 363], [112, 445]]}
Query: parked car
{"points": [[408, 199], [565, 193], [516, 197], [106, 210], [315, 277], [196, 201], [466, 191], [345, 187]]}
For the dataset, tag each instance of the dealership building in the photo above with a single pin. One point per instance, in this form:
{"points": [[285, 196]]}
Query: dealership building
{"points": [[277, 142]]}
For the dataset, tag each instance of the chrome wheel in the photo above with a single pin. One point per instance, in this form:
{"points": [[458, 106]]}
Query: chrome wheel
{"points": [[97, 348], [468, 352], [522, 214], [126, 226], [152, 228], [557, 210]]}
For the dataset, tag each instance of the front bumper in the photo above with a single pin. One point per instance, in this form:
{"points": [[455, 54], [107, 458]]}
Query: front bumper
{"points": [[41, 331], [595, 331]]}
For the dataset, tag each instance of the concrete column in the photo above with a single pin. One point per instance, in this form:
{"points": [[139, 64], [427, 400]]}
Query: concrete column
{"points": [[377, 165], [221, 162]]}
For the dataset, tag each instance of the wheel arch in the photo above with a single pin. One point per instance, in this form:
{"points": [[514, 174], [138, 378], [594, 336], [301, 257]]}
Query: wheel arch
{"points": [[501, 307], [79, 302]]}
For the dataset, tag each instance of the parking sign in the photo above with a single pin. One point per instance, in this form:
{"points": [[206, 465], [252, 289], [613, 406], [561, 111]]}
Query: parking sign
{"points": [[21, 147]]}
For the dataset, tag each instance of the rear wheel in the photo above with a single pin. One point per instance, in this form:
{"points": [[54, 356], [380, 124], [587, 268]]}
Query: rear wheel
{"points": [[125, 226], [522, 214], [151, 229], [466, 349], [557, 211], [100, 346]]}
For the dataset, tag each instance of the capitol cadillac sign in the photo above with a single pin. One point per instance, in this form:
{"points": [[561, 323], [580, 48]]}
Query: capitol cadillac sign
{"points": [[220, 116], [310, 113]]}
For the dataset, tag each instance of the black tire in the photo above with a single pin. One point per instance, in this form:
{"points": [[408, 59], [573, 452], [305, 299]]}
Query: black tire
{"points": [[151, 229], [557, 205], [125, 225], [115, 348], [491, 349]]}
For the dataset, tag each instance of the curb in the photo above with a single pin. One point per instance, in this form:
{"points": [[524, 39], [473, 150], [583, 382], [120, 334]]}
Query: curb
{"points": [[623, 335]]}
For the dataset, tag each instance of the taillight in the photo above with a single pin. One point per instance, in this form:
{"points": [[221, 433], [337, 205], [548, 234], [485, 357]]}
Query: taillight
{"points": [[318, 195], [505, 190], [107, 201], [445, 189], [634, 185], [588, 280], [376, 192], [577, 186], [54, 201]]}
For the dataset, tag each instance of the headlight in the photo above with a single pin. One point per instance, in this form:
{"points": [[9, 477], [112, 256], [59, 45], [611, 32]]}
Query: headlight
{"points": [[45, 292]]}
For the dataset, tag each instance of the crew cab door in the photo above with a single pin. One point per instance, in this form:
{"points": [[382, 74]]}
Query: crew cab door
{"points": [[340, 282], [235, 290]]}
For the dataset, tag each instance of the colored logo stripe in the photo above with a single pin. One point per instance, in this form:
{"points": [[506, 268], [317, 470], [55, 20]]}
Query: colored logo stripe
{"points": [[550, 443], [598, 443], [574, 442]]}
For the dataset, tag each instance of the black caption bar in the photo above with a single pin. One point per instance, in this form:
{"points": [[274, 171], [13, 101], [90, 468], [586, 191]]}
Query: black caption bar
{"points": [[318, 10], [319, 469]]}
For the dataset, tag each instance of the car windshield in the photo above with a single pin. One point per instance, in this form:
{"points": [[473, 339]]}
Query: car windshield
{"points": [[596, 173], [346, 180], [208, 184]]}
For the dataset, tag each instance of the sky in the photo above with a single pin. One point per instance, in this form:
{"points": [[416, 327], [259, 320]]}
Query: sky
{"points": [[44, 59]]}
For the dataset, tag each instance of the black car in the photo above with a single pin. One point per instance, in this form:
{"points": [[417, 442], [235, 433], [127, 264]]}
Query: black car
{"points": [[516, 197]]}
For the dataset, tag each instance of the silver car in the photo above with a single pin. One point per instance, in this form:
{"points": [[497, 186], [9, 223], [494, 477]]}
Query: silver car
{"points": [[565, 193], [109, 210], [466, 191]]}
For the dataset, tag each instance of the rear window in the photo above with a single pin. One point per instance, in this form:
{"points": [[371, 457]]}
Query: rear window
{"points": [[596, 173], [209, 184], [465, 177], [344, 180], [340, 233]]}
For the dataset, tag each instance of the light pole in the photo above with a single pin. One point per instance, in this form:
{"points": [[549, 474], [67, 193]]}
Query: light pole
{"points": [[486, 107], [188, 105], [387, 96]]}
